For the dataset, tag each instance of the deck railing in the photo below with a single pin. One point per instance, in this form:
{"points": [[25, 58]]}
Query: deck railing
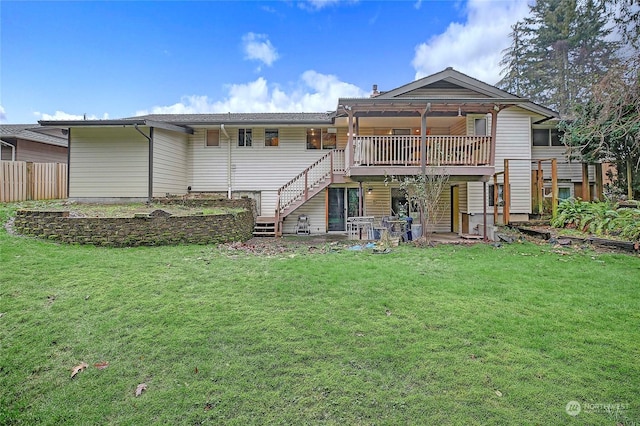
{"points": [[405, 150]]}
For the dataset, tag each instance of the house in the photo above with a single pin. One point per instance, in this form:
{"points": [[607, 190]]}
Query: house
{"points": [[327, 166], [32, 142]]}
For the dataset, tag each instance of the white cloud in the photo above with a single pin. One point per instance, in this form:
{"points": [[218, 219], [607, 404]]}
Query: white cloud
{"points": [[473, 47], [321, 4], [61, 115], [314, 92], [3, 114], [258, 47]]}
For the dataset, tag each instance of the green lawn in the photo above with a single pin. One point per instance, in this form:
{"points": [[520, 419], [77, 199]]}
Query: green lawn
{"points": [[447, 335]]}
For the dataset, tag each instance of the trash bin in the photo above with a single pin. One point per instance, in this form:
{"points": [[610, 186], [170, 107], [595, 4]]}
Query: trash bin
{"points": [[416, 230], [409, 232]]}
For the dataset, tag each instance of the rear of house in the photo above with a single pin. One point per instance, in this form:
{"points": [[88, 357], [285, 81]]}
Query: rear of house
{"points": [[327, 167]]}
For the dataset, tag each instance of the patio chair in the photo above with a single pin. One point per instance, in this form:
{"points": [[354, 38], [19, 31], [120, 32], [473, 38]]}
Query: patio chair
{"points": [[302, 227]]}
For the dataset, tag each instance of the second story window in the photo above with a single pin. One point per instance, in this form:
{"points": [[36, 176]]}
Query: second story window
{"points": [[213, 137], [546, 137], [322, 138], [244, 137], [271, 137]]}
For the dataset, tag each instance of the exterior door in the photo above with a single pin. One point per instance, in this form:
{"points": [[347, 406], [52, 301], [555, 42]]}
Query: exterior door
{"points": [[343, 203], [455, 209]]}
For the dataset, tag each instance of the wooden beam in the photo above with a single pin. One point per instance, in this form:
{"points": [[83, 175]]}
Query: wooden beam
{"points": [[494, 126], [348, 152], [540, 185], [495, 199], [484, 210], [423, 143], [599, 182], [506, 194], [586, 190], [554, 187]]}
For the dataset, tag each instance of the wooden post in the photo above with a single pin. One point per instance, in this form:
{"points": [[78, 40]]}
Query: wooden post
{"points": [[30, 181], [599, 182], [495, 199], [554, 187], [586, 193], [540, 188], [348, 152], [506, 194], [484, 210], [629, 180], [494, 126], [423, 144]]}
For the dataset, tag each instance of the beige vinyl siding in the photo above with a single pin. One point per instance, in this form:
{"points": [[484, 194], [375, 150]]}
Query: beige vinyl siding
{"points": [[513, 141], [170, 168], [463, 197], [566, 171], [108, 162], [378, 203], [38, 152], [315, 210], [255, 168]]}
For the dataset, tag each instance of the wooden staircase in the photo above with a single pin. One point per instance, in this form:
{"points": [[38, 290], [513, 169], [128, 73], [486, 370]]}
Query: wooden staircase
{"points": [[306, 185]]}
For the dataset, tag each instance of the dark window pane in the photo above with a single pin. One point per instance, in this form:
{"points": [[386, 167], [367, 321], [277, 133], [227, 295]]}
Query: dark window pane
{"points": [[556, 138], [540, 137]]}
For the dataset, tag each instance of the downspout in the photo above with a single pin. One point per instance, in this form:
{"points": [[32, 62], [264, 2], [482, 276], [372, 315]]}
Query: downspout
{"points": [[228, 161], [68, 162], [150, 139], [13, 149]]}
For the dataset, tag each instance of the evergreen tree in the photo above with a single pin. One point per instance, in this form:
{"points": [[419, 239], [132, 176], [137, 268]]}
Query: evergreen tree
{"points": [[557, 52]]}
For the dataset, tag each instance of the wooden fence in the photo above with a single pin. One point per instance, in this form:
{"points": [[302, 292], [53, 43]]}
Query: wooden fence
{"points": [[20, 181]]}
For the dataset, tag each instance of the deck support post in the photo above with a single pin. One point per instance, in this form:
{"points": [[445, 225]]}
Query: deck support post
{"points": [[506, 194], [494, 126], [484, 210], [348, 152], [586, 190], [540, 185], [423, 142], [554, 187], [599, 182]]}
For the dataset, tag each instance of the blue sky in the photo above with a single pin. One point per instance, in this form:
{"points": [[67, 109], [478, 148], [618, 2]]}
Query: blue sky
{"points": [[61, 60]]}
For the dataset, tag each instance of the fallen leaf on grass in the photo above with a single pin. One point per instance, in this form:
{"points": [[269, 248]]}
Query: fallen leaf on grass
{"points": [[141, 388], [78, 368], [101, 365], [388, 312], [196, 371], [498, 393]]}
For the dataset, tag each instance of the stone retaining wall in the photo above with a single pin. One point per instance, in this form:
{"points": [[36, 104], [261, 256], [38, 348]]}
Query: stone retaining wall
{"points": [[155, 229]]}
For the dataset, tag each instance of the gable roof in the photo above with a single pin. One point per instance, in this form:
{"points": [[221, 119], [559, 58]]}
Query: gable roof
{"points": [[449, 87], [30, 132]]}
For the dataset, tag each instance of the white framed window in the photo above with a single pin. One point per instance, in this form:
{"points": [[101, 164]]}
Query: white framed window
{"points": [[244, 137], [491, 194], [271, 137], [322, 138], [213, 137]]}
